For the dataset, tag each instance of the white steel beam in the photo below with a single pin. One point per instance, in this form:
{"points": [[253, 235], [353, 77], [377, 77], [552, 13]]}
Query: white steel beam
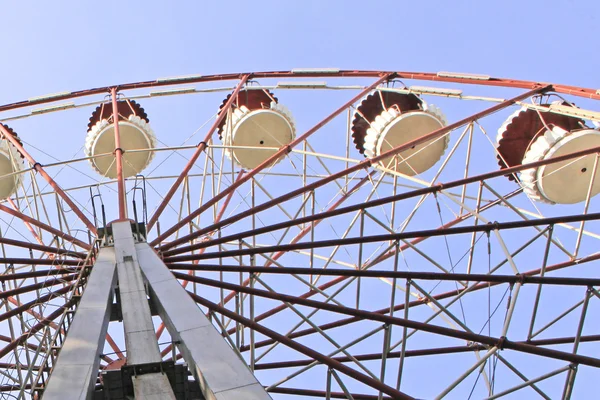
{"points": [[74, 375], [140, 337], [221, 373]]}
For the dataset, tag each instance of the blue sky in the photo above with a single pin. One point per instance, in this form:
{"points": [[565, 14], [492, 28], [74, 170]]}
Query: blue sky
{"points": [[50, 47]]}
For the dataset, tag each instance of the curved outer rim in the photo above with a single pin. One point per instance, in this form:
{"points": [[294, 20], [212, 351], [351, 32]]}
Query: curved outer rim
{"points": [[423, 76]]}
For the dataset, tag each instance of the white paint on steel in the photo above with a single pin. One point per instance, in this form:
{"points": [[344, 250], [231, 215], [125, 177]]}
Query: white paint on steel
{"points": [[221, 373], [74, 375], [140, 336], [391, 129]]}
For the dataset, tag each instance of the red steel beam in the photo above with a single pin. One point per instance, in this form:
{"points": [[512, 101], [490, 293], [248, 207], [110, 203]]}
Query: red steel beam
{"points": [[418, 353], [367, 380], [322, 394], [199, 150], [412, 275], [28, 226], [38, 273], [414, 303], [375, 356], [390, 237], [118, 156], [27, 306], [365, 164], [578, 91], [45, 227], [41, 247], [40, 170], [8, 339], [282, 151], [500, 342]]}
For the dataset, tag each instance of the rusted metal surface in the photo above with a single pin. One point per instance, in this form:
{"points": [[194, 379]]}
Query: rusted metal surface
{"points": [[412, 275], [496, 226]]}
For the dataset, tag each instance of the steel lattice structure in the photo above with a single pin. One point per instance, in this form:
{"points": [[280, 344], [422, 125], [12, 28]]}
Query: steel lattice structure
{"points": [[329, 273]]}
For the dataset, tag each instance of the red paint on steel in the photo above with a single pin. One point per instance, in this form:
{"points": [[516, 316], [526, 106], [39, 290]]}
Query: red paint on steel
{"points": [[367, 380], [501, 342], [118, 155], [40, 170]]}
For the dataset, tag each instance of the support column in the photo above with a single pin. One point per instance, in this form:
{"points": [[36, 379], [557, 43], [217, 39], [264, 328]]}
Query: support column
{"points": [[140, 337], [74, 375], [221, 373]]}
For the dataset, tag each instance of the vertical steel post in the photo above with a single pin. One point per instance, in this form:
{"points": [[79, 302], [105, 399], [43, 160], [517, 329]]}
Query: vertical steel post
{"points": [[140, 338], [118, 156]]}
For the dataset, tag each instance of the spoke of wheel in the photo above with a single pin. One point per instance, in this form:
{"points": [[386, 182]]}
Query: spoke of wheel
{"points": [[300, 235], [45, 227], [368, 315], [38, 167], [490, 227], [374, 383]]}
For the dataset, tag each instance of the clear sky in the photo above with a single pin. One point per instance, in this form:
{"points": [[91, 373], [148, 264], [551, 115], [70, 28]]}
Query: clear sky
{"points": [[69, 45]]}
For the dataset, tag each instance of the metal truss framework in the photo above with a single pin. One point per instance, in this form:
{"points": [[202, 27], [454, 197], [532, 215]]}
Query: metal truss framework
{"points": [[329, 276]]}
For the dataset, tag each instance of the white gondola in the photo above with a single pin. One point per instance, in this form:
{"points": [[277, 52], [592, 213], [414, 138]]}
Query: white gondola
{"points": [[11, 166], [400, 119], [564, 182], [253, 136], [392, 129], [135, 134]]}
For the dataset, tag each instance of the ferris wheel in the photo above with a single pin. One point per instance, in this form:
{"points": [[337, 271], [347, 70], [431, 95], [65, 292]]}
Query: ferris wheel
{"points": [[313, 233]]}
